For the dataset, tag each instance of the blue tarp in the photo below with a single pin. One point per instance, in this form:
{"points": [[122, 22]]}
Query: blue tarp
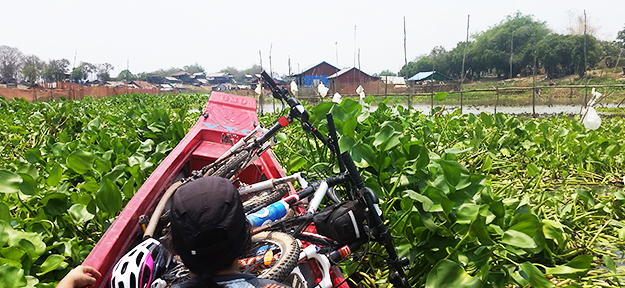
{"points": [[309, 79]]}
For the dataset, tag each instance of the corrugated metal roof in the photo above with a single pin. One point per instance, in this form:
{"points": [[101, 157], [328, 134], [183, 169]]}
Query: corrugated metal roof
{"points": [[337, 74], [144, 84], [212, 75], [313, 66], [180, 73], [428, 74]]}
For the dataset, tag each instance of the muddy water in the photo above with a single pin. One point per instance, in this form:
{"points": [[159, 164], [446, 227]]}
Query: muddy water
{"points": [[542, 106]]}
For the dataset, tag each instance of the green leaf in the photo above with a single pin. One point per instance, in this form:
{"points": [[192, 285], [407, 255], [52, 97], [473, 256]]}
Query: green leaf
{"points": [[447, 273], [109, 198], [488, 163], [9, 182], [11, 277], [609, 263], [80, 161], [5, 214], [535, 277], [349, 127], [425, 201], [518, 239], [385, 133], [532, 170], [440, 96], [576, 268], [52, 262], [80, 214], [451, 172], [33, 155], [467, 213], [55, 175], [29, 185]]}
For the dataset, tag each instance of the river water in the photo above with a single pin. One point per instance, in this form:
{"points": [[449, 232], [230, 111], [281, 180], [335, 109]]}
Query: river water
{"points": [[549, 106]]}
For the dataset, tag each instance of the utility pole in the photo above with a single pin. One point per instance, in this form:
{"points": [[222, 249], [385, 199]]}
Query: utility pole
{"points": [[405, 54], [336, 44], [464, 56], [354, 45], [270, 69], [511, 53]]}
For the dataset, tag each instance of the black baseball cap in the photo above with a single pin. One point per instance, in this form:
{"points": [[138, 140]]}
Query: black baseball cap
{"points": [[208, 224]]}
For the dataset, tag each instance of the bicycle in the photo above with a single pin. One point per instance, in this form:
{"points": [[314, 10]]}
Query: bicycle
{"points": [[360, 214]]}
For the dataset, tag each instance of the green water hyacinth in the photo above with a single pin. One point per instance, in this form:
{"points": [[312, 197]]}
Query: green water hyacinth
{"points": [[67, 169], [482, 200]]}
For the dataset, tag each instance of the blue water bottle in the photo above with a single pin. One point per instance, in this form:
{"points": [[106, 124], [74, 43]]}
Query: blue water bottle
{"points": [[268, 214]]}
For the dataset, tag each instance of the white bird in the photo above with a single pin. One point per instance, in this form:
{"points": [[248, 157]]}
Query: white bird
{"points": [[336, 98], [323, 90]]}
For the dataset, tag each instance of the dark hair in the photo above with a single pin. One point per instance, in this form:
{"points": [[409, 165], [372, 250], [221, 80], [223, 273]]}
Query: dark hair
{"points": [[202, 267]]}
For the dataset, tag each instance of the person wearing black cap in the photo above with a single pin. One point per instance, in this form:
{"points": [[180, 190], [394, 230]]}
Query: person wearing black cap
{"points": [[210, 232]]}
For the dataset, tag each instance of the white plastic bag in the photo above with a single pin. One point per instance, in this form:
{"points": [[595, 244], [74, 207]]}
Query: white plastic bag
{"points": [[259, 88], [361, 93], [336, 98], [592, 120], [294, 88], [323, 90]]}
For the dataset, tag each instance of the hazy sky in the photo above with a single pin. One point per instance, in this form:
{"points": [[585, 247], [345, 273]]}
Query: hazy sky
{"points": [[217, 34]]}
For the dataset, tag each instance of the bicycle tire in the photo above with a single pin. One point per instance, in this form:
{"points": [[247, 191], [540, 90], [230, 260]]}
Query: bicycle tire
{"points": [[264, 197], [289, 254], [232, 166]]}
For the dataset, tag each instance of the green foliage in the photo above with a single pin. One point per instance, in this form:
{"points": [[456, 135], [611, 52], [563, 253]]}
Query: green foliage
{"points": [[490, 52], [479, 200], [67, 169]]}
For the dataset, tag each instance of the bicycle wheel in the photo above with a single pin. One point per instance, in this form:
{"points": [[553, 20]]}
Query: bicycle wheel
{"points": [[273, 256], [231, 166], [263, 198]]}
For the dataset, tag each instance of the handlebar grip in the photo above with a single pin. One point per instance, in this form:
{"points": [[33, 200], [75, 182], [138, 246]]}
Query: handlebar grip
{"points": [[272, 84], [352, 170]]}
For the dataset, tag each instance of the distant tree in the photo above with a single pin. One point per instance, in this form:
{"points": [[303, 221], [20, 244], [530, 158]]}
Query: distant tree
{"points": [[10, 63], [620, 37], [610, 51], [78, 74], [577, 24], [126, 76], [88, 69], [387, 73], [103, 72], [195, 68], [55, 70], [33, 69], [255, 69]]}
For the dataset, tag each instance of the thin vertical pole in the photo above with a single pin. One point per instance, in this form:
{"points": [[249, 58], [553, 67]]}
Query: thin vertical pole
{"points": [[585, 67], [354, 45], [336, 44], [497, 95], [464, 56], [260, 82], [273, 100], [511, 52], [534, 81], [405, 54]]}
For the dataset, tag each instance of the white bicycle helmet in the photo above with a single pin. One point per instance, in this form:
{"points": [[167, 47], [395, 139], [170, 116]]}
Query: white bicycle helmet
{"points": [[141, 265]]}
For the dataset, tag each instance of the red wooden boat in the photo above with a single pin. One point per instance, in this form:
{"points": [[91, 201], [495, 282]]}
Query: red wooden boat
{"points": [[226, 119]]}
